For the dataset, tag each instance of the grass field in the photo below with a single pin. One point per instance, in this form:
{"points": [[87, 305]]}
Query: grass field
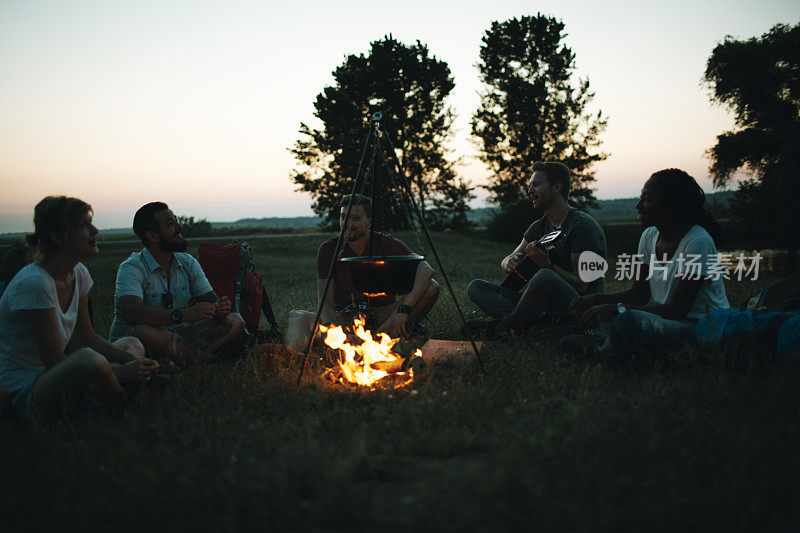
{"points": [[541, 442]]}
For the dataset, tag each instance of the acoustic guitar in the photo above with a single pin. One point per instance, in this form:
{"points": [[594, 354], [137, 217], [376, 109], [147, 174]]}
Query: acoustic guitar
{"points": [[521, 275]]}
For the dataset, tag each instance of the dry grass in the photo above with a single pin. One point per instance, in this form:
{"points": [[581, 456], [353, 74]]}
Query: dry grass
{"points": [[540, 442]]}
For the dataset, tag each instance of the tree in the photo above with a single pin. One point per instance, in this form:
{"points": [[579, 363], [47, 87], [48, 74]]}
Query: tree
{"points": [[758, 79], [533, 110], [409, 87], [195, 228]]}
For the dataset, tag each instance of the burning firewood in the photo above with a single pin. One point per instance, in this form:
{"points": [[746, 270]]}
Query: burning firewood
{"points": [[436, 350], [414, 363], [370, 360]]}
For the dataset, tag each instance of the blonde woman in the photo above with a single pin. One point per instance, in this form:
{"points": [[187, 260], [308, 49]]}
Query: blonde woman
{"points": [[45, 307]]}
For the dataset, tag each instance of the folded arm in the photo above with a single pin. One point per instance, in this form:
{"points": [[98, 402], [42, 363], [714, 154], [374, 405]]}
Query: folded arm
{"points": [[598, 308], [135, 312]]}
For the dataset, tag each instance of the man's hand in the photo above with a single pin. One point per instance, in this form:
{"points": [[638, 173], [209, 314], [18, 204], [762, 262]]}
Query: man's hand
{"points": [[579, 305], [136, 371], [512, 262], [223, 306], [538, 256], [395, 325], [199, 311], [594, 316]]}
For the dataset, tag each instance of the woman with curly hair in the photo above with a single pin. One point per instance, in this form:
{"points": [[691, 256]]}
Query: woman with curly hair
{"points": [[679, 270]]}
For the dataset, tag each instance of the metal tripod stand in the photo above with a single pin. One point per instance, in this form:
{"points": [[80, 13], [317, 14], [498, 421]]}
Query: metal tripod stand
{"points": [[377, 134]]}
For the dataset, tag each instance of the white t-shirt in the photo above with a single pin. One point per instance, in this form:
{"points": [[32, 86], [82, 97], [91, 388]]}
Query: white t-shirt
{"points": [[33, 288], [696, 257]]}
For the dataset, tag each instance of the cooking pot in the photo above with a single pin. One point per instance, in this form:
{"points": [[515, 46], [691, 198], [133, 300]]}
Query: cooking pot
{"points": [[385, 274]]}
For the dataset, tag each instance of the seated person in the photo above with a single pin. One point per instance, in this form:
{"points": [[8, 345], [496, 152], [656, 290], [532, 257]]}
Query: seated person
{"points": [[155, 290], [45, 307], [396, 317], [555, 282], [678, 257]]}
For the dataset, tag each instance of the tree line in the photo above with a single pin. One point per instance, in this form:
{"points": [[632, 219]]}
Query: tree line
{"points": [[532, 107]]}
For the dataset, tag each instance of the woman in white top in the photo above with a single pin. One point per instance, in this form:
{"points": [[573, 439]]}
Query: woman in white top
{"points": [[677, 266], [45, 306]]}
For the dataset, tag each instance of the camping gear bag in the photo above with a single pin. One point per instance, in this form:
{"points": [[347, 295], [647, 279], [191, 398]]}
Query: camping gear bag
{"points": [[775, 331], [230, 269], [783, 296], [771, 318]]}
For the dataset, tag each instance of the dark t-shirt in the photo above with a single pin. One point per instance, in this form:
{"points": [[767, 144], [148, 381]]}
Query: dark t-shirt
{"points": [[343, 294], [581, 233]]}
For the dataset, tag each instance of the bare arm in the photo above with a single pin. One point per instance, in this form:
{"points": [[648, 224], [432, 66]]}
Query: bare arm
{"points": [[134, 312], [512, 260], [395, 325], [210, 296], [677, 306], [328, 311], [421, 281], [679, 302], [45, 334], [602, 307], [222, 305], [638, 295], [85, 336], [126, 366]]}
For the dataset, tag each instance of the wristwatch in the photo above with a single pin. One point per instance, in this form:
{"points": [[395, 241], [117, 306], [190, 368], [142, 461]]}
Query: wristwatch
{"points": [[176, 316], [621, 309], [405, 309]]}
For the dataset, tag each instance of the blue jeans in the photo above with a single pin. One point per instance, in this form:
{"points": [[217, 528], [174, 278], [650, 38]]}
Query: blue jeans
{"points": [[643, 333]]}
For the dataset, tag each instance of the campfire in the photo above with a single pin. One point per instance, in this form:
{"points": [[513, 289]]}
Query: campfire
{"points": [[371, 360]]}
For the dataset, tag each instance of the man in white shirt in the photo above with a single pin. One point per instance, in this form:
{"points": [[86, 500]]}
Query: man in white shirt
{"points": [[164, 299]]}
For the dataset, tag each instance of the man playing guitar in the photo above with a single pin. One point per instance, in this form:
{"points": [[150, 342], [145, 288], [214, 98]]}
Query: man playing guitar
{"points": [[554, 280]]}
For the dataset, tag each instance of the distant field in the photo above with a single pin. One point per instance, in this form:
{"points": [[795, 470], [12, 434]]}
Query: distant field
{"points": [[541, 442], [612, 211]]}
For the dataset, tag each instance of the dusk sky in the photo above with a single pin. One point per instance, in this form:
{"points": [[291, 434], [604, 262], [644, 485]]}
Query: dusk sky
{"points": [[196, 102]]}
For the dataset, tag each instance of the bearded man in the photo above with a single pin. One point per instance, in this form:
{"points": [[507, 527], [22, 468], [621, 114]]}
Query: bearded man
{"points": [[396, 317], [556, 280], [164, 299]]}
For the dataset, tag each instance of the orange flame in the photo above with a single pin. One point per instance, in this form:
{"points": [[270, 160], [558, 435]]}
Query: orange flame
{"points": [[374, 294], [368, 352]]}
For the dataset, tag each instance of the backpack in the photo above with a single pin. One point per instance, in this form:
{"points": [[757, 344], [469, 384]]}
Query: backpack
{"points": [[230, 269]]}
